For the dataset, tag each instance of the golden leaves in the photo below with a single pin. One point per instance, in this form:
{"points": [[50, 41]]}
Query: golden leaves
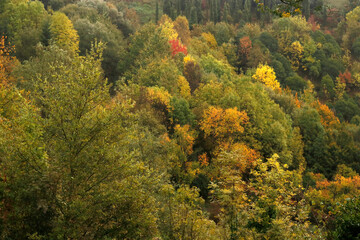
{"points": [[220, 123], [266, 75]]}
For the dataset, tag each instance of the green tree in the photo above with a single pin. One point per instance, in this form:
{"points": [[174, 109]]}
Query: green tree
{"points": [[89, 169], [23, 21]]}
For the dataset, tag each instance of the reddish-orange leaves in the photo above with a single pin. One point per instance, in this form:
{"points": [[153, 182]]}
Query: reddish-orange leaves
{"points": [[328, 118], [177, 47]]}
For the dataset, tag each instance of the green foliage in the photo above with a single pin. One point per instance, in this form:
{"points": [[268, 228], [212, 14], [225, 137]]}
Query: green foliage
{"points": [[23, 22], [106, 33], [222, 32], [181, 113], [159, 72], [328, 86], [296, 83], [347, 220], [346, 108], [314, 137], [356, 48], [269, 41], [211, 65], [83, 158], [182, 217], [145, 45]]}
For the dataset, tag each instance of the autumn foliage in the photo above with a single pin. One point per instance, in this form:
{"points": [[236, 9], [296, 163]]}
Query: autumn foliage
{"points": [[245, 46], [328, 118], [177, 47], [220, 123], [266, 75], [7, 61]]}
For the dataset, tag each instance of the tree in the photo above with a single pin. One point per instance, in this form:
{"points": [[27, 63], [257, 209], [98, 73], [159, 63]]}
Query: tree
{"points": [[107, 33], [352, 28], [89, 171], [223, 124], [23, 21], [347, 220], [182, 216], [285, 9], [63, 33], [193, 74], [267, 205], [181, 25], [266, 75], [23, 166]]}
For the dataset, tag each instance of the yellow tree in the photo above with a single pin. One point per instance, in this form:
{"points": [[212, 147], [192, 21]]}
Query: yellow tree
{"points": [[210, 40], [220, 123], [185, 138], [266, 75], [167, 28], [63, 33]]}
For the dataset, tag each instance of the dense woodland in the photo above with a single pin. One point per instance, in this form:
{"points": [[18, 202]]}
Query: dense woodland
{"points": [[179, 119]]}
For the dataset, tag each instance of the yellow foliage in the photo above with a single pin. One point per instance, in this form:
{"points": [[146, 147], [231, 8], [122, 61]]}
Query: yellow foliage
{"points": [[266, 75], [210, 40], [167, 28], [221, 123], [158, 95], [184, 87], [188, 58], [63, 33], [286, 14], [352, 27], [295, 54]]}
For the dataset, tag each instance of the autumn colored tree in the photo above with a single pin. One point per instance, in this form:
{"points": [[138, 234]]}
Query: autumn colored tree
{"points": [[177, 47], [328, 196], [223, 124], [167, 28], [7, 62], [184, 87], [328, 118], [63, 33], [264, 207], [209, 39], [266, 75], [244, 49]]}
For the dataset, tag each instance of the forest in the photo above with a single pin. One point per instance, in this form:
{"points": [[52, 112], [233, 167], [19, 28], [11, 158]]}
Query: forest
{"points": [[180, 119]]}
